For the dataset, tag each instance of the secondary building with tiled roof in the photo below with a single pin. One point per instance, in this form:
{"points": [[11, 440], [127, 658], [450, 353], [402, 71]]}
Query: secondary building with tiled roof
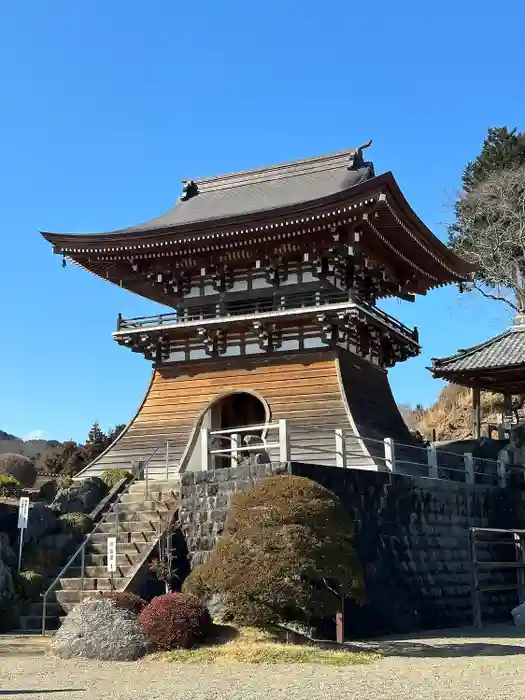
{"points": [[496, 365]]}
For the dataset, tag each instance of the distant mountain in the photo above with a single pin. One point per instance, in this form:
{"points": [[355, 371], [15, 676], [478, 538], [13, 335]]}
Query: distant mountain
{"points": [[39, 450]]}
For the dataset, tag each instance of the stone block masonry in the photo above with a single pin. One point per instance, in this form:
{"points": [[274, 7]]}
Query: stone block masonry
{"points": [[411, 536]]}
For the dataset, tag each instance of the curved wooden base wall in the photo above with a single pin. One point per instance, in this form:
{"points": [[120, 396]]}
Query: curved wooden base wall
{"points": [[316, 391]]}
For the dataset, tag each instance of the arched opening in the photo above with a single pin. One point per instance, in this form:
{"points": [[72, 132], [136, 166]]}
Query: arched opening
{"points": [[238, 409]]}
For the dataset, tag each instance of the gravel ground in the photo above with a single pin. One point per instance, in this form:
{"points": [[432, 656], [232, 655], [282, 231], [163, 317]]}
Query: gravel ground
{"points": [[433, 667]]}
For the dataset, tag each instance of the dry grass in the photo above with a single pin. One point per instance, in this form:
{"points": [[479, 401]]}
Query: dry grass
{"points": [[255, 646], [451, 415]]}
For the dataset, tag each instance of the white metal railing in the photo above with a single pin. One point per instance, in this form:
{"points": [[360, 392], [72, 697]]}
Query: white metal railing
{"points": [[342, 448], [235, 448]]}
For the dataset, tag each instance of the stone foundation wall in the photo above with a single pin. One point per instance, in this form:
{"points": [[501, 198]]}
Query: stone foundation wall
{"points": [[411, 537]]}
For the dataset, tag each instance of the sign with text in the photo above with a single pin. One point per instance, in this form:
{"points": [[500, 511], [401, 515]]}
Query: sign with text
{"points": [[23, 512], [112, 555]]}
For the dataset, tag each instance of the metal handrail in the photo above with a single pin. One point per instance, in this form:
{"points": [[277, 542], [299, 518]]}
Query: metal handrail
{"points": [[113, 509]]}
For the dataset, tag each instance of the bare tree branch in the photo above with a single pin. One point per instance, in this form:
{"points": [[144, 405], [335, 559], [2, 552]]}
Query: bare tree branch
{"points": [[490, 232], [480, 289]]}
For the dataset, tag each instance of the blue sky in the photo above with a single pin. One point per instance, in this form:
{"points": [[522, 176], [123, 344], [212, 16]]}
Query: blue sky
{"points": [[106, 106]]}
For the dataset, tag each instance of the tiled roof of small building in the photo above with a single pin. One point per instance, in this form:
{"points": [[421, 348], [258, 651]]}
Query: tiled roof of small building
{"points": [[504, 350]]}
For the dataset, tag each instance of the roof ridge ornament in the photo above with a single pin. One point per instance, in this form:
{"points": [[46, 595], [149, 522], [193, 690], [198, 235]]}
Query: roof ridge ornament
{"points": [[190, 189], [355, 159]]}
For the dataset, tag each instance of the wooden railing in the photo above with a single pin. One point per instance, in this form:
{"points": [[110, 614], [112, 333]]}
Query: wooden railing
{"points": [[276, 303]]}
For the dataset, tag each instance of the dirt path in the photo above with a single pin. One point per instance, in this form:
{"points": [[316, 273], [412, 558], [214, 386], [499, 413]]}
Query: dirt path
{"points": [[464, 666]]}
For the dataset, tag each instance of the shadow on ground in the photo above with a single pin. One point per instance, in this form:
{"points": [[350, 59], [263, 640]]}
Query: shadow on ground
{"points": [[495, 640], [42, 692]]}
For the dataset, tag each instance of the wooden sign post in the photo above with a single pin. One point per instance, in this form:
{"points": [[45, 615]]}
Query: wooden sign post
{"points": [[339, 628], [23, 516]]}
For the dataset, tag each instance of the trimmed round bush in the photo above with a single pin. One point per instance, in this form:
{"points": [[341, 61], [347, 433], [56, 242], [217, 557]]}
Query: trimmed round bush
{"points": [[126, 601], [47, 491], [174, 621], [30, 584], [111, 477], [75, 523], [286, 555], [97, 629], [9, 487], [19, 467]]}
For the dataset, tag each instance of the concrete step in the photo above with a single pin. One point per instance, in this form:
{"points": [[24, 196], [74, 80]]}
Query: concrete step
{"points": [[69, 597], [90, 573], [125, 559], [139, 533], [138, 516], [52, 609], [149, 527], [131, 506], [33, 623], [124, 545]]}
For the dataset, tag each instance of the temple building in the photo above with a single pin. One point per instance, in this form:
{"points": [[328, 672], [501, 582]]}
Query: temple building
{"points": [[274, 276], [496, 366]]}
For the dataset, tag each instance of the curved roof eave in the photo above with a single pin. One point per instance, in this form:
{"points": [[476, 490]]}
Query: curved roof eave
{"points": [[385, 180]]}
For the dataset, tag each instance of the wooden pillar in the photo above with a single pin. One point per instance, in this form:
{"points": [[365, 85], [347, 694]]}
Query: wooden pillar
{"points": [[476, 412], [507, 408]]}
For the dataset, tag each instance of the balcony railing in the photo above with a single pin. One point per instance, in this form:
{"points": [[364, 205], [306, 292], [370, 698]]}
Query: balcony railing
{"points": [[254, 307]]}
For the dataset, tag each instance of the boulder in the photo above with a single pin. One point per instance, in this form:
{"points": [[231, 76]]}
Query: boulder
{"points": [[42, 521], [7, 555], [82, 498], [64, 543]]}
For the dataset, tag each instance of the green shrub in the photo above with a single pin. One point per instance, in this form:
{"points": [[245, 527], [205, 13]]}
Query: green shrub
{"points": [[286, 555], [111, 477], [174, 621], [30, 584], [64, 482], [9, 487], [47, 491], [75, 523], [19, 467]]}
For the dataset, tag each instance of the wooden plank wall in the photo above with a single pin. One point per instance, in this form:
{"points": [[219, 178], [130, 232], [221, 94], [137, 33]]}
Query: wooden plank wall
{"points": [[303, 387]]}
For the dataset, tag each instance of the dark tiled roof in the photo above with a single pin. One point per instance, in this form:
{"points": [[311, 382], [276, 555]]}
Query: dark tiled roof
{"points": [[272, 187], [505, 350]]}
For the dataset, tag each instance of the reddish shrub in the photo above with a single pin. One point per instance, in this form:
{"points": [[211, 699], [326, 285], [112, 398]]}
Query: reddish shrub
{"points": [[126, 601], [174, 621]]}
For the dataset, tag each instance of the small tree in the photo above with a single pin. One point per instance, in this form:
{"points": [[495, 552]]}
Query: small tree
{"points": [[489, 229], [286, 555]]}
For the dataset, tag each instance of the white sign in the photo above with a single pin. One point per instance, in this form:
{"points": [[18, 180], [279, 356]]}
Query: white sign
{"points": [[23, 512], [112, 555]]}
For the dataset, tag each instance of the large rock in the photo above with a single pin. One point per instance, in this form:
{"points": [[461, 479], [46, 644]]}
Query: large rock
{"points": [[64, 543], [42, 521], [80, 499], [7, 555]]}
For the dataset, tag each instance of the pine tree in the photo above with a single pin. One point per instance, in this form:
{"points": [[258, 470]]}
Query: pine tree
{"points": [[96, 442]]}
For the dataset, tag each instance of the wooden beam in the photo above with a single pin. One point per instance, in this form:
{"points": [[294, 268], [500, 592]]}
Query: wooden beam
{"points": [[476, 412]]}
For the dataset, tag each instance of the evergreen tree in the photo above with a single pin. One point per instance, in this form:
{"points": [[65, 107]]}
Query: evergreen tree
{"points": [[489, 222], [96, 442]]}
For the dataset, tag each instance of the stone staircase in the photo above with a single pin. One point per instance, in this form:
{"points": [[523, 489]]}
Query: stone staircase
{"points": [[142, 518]]}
